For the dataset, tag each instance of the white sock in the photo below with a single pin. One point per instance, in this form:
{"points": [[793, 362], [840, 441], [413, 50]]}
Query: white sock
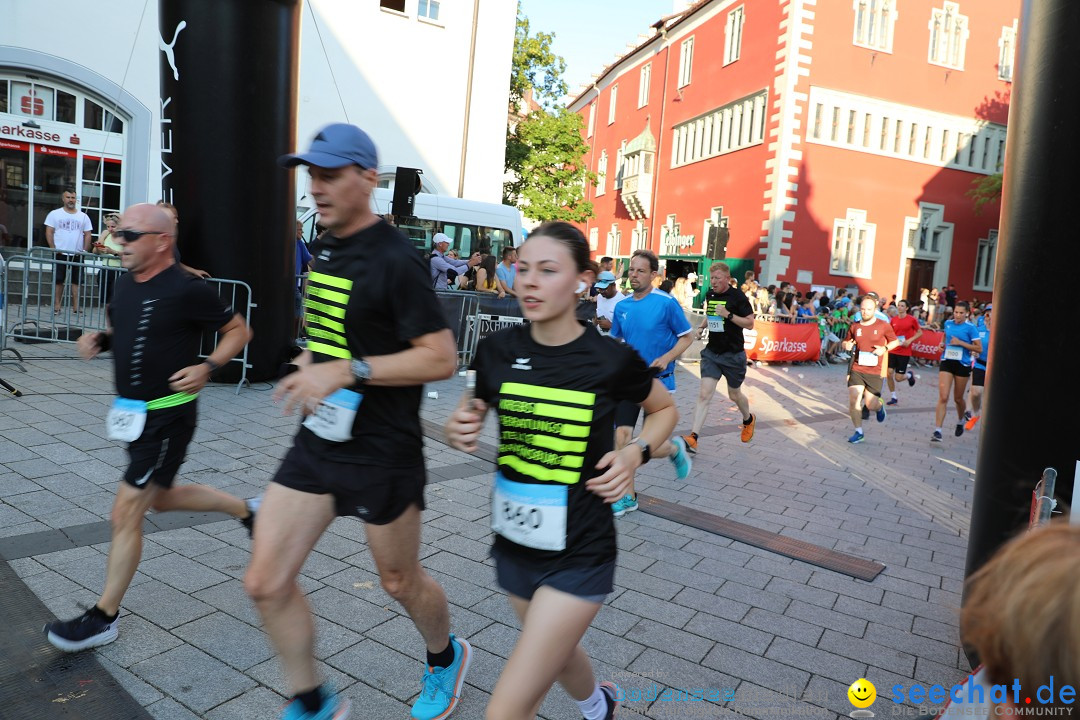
{"points": [[595, 706], [858, 430], [937, 429], [894, 396]]}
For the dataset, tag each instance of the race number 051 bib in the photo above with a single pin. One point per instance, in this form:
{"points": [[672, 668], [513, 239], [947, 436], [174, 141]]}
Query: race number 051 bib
{"points": [[954, 352], [716, 324], [528, 514], [333, 418], [126, 420]]}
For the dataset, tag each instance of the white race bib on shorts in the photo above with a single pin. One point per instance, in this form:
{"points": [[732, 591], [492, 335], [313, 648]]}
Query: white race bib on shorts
{"points": [[528, 514], [333, 418], [954, 352], [126, 420]]}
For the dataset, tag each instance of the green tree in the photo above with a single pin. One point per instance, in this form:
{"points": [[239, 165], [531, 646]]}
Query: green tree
{"points": [[545, 147], [985, 190]]}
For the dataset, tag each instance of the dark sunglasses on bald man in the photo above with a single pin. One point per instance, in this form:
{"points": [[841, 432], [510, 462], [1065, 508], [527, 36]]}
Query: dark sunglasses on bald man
{"points": [[130, 236]]}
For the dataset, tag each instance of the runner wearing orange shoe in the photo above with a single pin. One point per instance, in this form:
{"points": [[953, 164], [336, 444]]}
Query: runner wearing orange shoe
{"points": [[729, 313], [978, 374]]}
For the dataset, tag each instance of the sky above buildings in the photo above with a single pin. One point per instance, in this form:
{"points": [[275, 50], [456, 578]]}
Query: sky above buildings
{"points": [[589, 33]]}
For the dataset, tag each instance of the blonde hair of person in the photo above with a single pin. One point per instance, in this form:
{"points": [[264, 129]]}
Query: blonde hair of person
{"points": [[1022, 611]]}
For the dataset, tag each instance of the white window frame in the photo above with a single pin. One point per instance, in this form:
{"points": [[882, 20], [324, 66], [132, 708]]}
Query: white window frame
{"points": [[639, 237], [614, 240], [949, 32], [428, 18], [686, 61], [733, 34], [986, 262], [1007, 52], [592, 118], [594, 238], [735, 126], [612, 98], [644, 83], [875, 24], [601, 173], [716, 218], [844, 252], [620, 162]]}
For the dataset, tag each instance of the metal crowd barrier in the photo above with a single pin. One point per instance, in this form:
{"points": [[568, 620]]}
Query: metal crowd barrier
{"points": [[5, 304], [31, 297], [462, 309]]}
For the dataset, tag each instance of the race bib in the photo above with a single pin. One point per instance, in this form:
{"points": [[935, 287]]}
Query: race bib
{"points": [[954, 352], [529, 515], [126, 420], [716, 324], [867, 359], [333, 419], [901, 338]]}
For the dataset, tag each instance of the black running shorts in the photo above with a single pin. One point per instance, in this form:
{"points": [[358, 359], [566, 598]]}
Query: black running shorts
{"points": [[872, 383], [978, 377], [729, 365], [955, 367], [519, 577], [157, 454], [375, 494], [898, 363]]}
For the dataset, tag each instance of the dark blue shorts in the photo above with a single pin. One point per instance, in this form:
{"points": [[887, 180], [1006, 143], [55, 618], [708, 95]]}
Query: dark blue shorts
{"points": [[519, 577]]}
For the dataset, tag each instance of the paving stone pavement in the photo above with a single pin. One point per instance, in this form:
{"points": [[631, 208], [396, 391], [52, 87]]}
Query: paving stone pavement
{"points": [[770, 636]]}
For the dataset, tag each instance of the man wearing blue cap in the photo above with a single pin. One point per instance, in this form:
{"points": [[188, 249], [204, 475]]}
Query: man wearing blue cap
{"points": [[376, 335], [607, 297]]}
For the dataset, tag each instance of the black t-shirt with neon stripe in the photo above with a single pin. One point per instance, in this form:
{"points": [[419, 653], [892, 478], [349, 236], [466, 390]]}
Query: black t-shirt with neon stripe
{"points": [[556, 409], [370, 294]]}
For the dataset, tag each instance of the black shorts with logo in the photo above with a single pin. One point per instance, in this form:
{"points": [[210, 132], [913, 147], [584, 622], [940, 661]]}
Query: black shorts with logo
{"points": [[158, 453], [955, 367], [898, 363], [375, 494], [872, 383]]}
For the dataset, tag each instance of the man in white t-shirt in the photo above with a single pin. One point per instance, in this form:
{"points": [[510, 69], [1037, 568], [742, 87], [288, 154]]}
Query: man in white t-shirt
{"points": [[67, 230], [606, 300]]}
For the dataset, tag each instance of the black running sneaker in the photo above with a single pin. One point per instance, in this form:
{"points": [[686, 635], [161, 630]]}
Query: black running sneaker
{"points": [[959, 429], [90, 629], [252, 507], [611, 695]]}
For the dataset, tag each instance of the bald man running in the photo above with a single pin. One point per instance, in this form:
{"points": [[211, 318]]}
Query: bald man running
{"points": [[156, 318]]}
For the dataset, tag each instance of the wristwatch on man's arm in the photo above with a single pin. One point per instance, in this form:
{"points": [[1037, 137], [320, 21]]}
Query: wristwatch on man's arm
{"points": [[646, 453], [361, 370]]}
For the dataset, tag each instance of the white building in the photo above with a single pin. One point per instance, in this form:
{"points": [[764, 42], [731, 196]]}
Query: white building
{"points": [[79, 97]]}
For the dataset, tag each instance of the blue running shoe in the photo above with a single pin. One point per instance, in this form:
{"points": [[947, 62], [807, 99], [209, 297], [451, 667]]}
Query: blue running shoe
{"points": [[681, 458], [333, 708], [623, 505], [881, 414], [893, 401], [936, 437], [440, 689], [858, 437]]}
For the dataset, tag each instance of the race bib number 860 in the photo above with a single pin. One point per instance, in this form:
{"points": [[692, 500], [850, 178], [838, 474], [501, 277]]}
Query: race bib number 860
{"points": [[528, 514]]}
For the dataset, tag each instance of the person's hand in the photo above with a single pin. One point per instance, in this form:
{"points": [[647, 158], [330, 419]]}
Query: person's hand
{"points": [[879, 350], [304, 389], [201, 274], [619, 474], [907, 342], [89, 345], [501, 294], [659, 363], [848, 345], [603, 323], [464, 425], [955, 341], [190, 379]]}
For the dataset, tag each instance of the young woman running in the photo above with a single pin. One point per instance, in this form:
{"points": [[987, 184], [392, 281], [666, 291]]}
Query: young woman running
{"points": [[958, 348], [554, 385]]}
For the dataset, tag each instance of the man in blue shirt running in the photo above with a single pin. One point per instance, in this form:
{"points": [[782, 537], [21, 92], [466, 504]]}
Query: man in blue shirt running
{"points": [[654, 324]]}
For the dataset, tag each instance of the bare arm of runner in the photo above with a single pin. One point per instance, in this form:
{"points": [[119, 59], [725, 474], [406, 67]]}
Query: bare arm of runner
{"points": [[660, 419]]}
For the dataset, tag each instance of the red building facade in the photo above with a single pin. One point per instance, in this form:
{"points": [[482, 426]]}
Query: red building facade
{"points": [[835, 141]]}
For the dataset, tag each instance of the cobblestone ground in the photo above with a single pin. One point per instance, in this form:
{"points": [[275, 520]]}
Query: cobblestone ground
{"points": [[691, 609]]}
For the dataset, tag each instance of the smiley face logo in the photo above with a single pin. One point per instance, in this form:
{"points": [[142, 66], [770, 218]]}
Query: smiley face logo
{"points": [[862, 693]]}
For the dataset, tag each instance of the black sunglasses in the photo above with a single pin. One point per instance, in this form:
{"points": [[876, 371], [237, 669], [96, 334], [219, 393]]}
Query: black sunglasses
{"points": [[130, 236]]}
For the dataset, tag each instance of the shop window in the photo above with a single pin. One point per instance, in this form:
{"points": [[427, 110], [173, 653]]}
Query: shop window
{"points": [[428, 9], [686, 61], [948, 36], [853, 244], [874, 23], [1007, 52], [985, 262], [733, 35], [3, 96]]}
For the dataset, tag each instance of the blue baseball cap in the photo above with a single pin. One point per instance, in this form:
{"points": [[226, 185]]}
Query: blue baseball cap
{"points": [[604, 279], [337, 145]]}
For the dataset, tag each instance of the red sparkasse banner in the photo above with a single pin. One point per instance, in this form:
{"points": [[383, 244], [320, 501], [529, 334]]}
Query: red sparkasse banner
{"points": [[782, 342], [929, 345]]}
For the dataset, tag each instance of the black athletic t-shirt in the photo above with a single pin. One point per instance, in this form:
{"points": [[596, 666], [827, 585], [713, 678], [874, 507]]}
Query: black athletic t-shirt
{"points": [[370, 294], [731, 339], [156, 328], [556, 409]]}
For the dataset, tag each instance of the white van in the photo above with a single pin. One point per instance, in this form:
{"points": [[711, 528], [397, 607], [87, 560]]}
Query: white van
{"points": [[470, 225]]}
